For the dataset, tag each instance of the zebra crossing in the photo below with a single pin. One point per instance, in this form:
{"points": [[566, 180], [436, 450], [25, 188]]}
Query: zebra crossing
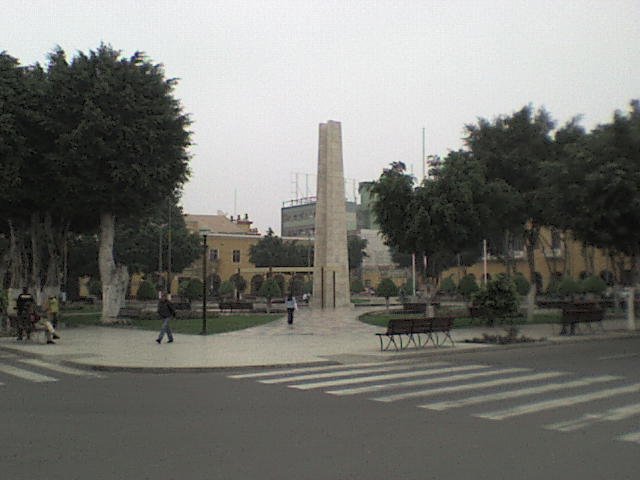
{"points": [[15, 368], [503, 393]]}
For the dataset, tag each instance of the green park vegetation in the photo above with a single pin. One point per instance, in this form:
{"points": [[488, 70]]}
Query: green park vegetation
{"points": [[515, 175]]}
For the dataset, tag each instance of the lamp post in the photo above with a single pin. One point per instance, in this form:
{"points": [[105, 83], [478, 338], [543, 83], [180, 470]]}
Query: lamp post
{"points": [[204, 233]]}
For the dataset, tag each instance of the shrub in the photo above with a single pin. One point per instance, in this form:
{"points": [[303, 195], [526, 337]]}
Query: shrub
{"points": [[568, 286], [296, 285], [280, 279], [593, 284], [191, 289], [468, 286], [448, 286], [356, 285], [227, 289], [146, 291], [386, 288], [498, 300], [270, 289], [95, 287], [256, 282], [522, 284]]}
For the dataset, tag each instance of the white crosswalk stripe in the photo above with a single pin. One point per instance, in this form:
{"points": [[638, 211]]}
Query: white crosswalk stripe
{"points": [[630, 437], [612, 415], [323, 368], [415, 383], [509, 394], [558, 403], [386, 376], [447, 383], [26, 374], [451, 379], [60, 368], [342, 373]]}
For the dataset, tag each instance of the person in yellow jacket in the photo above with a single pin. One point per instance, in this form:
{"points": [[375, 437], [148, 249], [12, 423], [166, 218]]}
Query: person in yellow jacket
{"points": [[53, 309]]}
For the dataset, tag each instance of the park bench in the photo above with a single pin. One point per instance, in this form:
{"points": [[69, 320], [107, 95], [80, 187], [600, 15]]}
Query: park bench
{"points": [[413, 328], [235, 306], [130, 312], [577, 314]]}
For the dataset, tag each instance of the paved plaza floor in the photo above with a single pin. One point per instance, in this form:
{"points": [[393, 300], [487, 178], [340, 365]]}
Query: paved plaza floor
{"points": [[317, 336]]}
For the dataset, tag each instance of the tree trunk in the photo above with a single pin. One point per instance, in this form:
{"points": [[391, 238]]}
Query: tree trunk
{"points": [[114, 278], [531, 240]]}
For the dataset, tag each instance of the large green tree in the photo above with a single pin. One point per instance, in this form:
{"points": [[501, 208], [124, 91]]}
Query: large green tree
{"points": [[127, 138], [598, 188], [273, 251]]}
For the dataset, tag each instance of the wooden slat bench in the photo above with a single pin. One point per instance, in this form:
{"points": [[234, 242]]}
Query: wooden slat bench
{"points": [[412, 328], [231, 306], [572, 316]]}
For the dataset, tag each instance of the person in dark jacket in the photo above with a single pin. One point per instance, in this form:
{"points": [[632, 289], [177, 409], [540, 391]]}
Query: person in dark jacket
{"points": [[166, 313], [25, 306]]}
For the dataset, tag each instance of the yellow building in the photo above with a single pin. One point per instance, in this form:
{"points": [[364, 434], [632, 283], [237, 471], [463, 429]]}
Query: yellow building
{"points": [[556, 255], [228, 243]]}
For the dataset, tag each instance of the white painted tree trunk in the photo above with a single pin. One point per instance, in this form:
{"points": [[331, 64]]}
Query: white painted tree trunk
{"points": [[114, 278]]}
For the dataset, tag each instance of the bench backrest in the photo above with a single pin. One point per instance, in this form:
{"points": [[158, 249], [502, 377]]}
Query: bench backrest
{"points": [[400, 326], [583, 314], [419, 325]]}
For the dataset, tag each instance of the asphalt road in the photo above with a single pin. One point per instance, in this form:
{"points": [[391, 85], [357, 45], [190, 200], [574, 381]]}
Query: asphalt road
{"points": [[580, 418]]}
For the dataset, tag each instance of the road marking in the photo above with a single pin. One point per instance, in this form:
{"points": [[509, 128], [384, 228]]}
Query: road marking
{"points": [[415, 383], [621, 355], [61, 368], [341, 373], [453, 378], [391, 376], [26, 374], [324, 368], [492, 397], [558, 403], [630, 437], [612, 415]]}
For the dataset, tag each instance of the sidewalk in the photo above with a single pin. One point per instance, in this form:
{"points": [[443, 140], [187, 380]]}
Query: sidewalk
{"points": [[317, 336]]}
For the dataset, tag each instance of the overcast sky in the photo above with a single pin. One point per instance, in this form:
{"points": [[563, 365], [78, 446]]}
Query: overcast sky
{"points": [[258, 77]]}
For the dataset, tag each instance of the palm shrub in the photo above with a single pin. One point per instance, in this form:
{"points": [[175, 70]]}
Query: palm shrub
{"points": [[498, 300]]}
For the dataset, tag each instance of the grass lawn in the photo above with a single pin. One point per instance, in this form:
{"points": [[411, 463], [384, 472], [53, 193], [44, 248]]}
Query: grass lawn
{"points": [[218, 324], [190, 326]]}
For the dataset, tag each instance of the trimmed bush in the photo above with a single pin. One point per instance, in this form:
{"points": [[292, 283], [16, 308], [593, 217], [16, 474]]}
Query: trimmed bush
{"points": [[468, 286], [593, 284], [356, 285], [448, 286], [227, 289], [568, 287], [191, 289], [522, 284], [146, 291], [498, 300]]}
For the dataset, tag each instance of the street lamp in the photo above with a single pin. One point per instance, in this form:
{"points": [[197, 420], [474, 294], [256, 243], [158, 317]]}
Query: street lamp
{"points": [[204, 232]]}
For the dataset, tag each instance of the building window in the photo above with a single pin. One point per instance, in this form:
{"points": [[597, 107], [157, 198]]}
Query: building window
{"points": [[236, 256], [213, 254]]}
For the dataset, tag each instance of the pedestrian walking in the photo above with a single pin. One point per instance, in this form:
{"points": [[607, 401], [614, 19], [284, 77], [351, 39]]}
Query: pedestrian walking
{"points": [[292, 306], [53, 310], [166, 313]]}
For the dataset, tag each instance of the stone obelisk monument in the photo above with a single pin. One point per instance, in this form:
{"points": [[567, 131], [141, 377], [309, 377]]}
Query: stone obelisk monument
{"points": [[331, 264]]}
